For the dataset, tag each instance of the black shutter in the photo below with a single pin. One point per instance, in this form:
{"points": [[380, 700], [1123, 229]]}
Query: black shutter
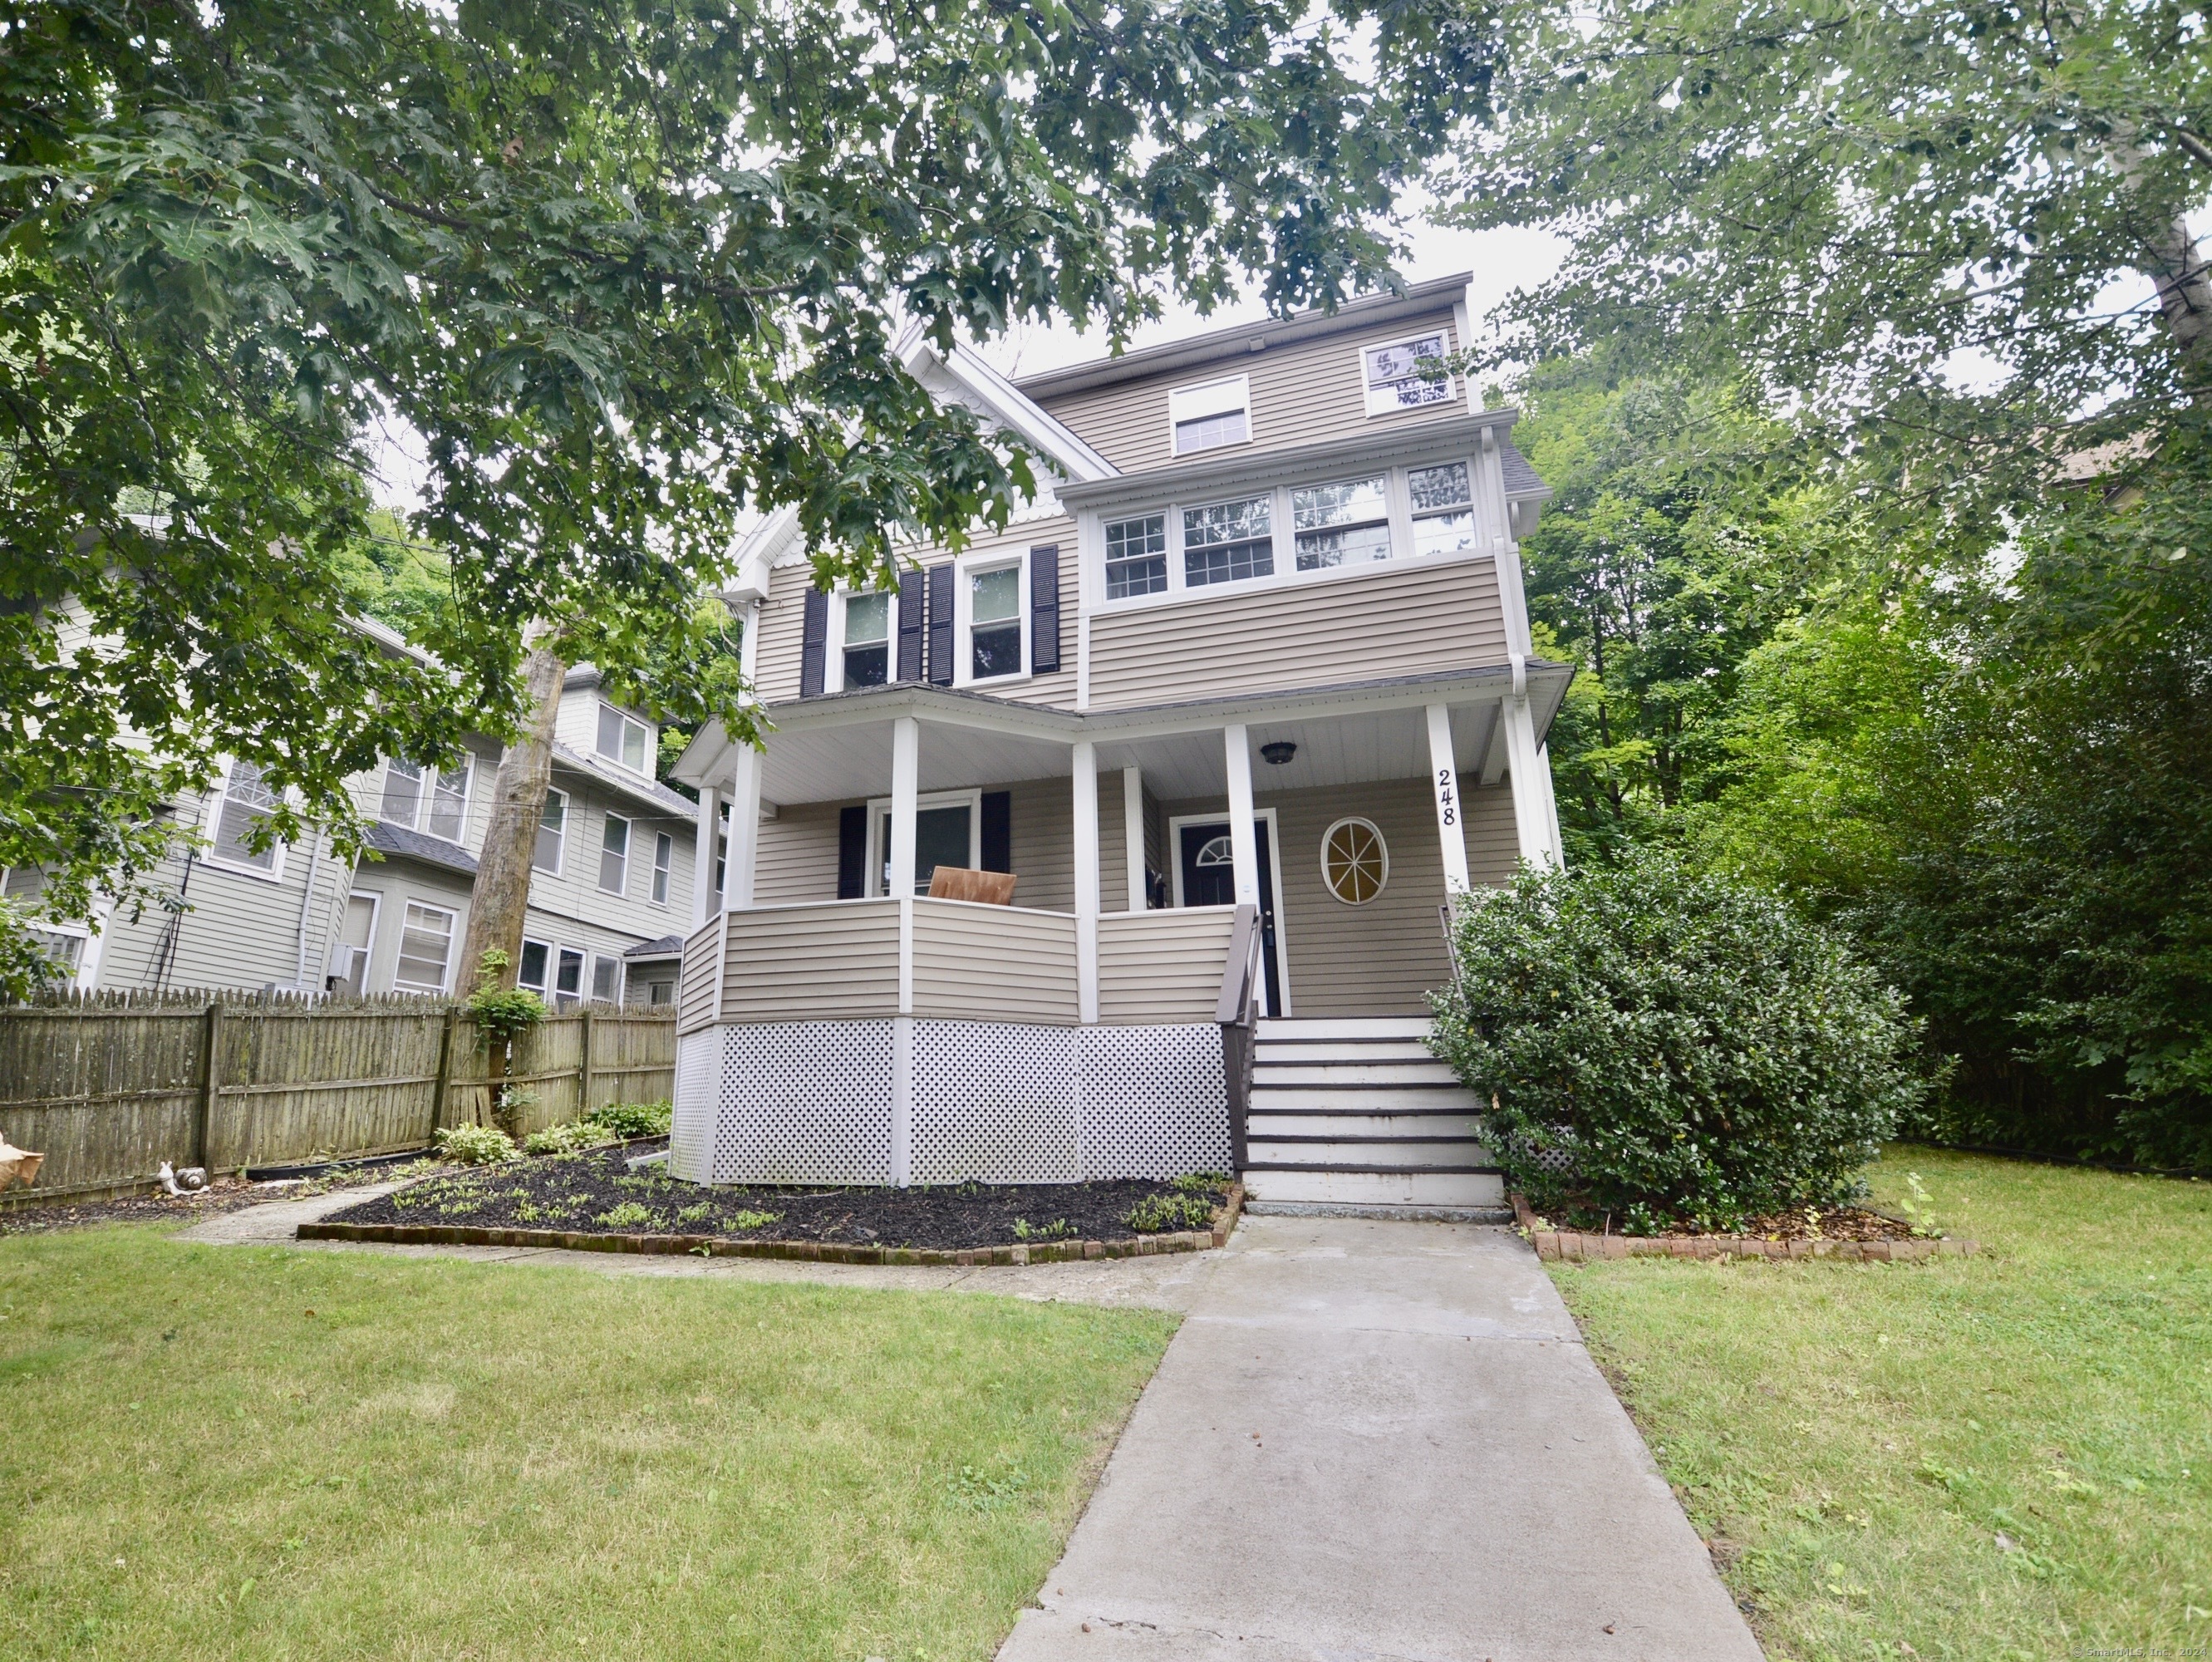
{"points": [[813, 643], [911, 584], [1044, 611], [998, 831], [852, 853], [940, 625]]}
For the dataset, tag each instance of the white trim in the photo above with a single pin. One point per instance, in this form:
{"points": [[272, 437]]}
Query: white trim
{"points": [[1389, 406], [607, 707], [560, 849], [1133, 837], [840, 598], [375, 898], [965, 569], [211, 824], [1224, 395], [667, 896], [1085, 763], [1382, 843], [705, 833], [453, 945], [621, 890], [1451, 800], [1176, 822], [879, 857], [545, 991]]}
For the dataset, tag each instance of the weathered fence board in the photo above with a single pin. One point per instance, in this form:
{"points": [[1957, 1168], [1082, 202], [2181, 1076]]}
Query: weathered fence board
{"points": [[107, 1089]]}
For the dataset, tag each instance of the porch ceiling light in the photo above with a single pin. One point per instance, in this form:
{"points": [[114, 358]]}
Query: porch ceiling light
{"points": [[1278, 752]]}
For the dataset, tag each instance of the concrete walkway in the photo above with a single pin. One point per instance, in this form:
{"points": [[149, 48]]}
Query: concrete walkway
{"points": [[1380, 1442]]}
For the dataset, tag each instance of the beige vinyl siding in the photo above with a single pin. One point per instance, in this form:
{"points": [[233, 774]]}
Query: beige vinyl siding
{"points": [[1493, 838], [978, 963], [1043, 813], [1302, 394], [1378, 960], [695, 991], [837, 961], [1113, 844], [797, 856], [1162, 966], [783, 617], [1411, 619]]}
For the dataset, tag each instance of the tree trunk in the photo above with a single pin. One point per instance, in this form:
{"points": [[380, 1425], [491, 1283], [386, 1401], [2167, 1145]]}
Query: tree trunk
{"points": [[2174, 265], [501, 894]]}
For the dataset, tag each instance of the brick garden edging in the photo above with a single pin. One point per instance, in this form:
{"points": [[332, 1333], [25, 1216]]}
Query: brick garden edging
{"points": [[1578, 1246], [717, 1246]]}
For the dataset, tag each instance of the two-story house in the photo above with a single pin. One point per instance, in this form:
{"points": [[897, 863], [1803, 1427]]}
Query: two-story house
{"points": [[1239, 702], [610, 892]]}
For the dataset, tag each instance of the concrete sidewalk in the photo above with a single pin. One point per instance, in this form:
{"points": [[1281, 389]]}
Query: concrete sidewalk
{"points": [[1382, 1441]]}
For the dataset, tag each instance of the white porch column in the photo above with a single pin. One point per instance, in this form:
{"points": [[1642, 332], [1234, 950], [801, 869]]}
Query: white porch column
{"points": [[745, 831], [1132, 834], [906, 773], [1443, 783], [704, 903], [1243, 842], [1533, 816], [1086, 881]]}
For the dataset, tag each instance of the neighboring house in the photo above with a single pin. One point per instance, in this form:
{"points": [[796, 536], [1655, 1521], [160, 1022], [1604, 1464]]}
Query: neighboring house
{"points": [[613, 877], [1256, 666]]}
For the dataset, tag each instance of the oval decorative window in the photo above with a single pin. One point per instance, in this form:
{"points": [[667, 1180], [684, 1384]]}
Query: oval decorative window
{"points": [[1355, 861]]}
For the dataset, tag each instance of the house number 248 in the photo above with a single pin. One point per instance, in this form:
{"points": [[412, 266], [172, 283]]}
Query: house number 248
{"points": [[1447, 796]]}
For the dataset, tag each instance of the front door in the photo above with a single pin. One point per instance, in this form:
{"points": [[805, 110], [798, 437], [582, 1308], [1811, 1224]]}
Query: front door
{"points": [[1209, 879]]}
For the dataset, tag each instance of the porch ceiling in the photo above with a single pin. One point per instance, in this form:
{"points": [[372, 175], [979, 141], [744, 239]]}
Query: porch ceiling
{"points": [[842, 763]]}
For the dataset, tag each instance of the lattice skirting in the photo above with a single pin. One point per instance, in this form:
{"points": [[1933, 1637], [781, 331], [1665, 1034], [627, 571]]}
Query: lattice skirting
{"points": [[994, 1102]]}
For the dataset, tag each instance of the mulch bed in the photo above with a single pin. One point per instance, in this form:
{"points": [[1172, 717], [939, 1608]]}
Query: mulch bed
{"points": [[591, 1200], [1841, 1231]]}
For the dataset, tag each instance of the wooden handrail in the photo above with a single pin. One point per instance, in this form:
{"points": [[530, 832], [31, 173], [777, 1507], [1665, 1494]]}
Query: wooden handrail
{"points": [[1237, 977], [1240, 989]]}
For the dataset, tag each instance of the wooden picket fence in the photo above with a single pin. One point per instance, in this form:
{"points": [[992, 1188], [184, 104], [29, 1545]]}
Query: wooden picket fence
{"points": [[107, 1085]]}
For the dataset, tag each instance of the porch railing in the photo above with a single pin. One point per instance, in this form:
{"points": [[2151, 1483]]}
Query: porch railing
{"points": [[1236, 1011]]}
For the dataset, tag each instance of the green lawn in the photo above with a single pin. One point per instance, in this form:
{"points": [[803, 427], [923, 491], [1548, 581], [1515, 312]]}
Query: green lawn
{"points": [[257, 1452], [1863, 1434]]}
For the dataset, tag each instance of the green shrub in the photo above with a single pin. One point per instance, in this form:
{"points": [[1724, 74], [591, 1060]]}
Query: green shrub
{"points": [[635, 1119], [567, 1139], [1157, 1213], [476, 1145], [1665, 1045], [629, 1215]]}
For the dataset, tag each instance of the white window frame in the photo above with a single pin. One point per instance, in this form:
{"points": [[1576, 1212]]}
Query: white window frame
{"points": [[375, 898], [1378, 404], [651, 745], [452, 946], [662, 888], [964, 571], [592, 963], [1225, 395], [1176, 822], [553, 993], [629, 840], [427, 782], [879, 854], [836, 642], [211, 823], [567, 820], [552, 960], [1396, 497]]}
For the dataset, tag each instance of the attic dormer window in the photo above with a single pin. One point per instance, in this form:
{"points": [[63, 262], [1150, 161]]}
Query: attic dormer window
{"points": [[1394, 378], [623, 738], [1209, 416]]}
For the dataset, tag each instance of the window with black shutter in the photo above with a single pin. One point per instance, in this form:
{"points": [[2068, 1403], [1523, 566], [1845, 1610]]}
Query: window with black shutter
{"points": [[940, 625], [998, 831], [1044, 611], [813, 643], [912, 588], [852, 853]]}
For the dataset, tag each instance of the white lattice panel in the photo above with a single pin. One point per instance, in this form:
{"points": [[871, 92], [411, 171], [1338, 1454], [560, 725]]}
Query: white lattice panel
{"points": [[1152, 1101], [994, 1102], [698, 1076], [804, 1102]]}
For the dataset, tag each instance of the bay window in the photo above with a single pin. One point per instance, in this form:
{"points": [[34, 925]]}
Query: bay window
{"points": [[1226, 542], [1443, 509], [1341, 524], [1137, 557]]}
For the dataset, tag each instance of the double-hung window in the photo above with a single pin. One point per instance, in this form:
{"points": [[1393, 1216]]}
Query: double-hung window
{"points": [[247, 801], [1343, 524], [433, 800], [623, 737], [994, 622], [1443, 509], [552, 833], [868, 640], [531, 970], [426, 948], [614, 854], [1137, 557], [1394, 376], [1209, 416], [664, 866], [1228, 541], [606, 979]]}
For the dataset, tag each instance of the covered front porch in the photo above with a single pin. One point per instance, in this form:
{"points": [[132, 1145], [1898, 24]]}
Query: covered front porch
{"points": [[1175, 872]]}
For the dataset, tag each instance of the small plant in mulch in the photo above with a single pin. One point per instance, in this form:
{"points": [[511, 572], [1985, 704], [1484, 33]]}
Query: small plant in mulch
{"points": [[1191, 1203], [476, 1145], [629, 1120], [569, 1138]]}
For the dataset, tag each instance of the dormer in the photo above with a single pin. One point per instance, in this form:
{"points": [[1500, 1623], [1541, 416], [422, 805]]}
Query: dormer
{"points": [[593, 723]]}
